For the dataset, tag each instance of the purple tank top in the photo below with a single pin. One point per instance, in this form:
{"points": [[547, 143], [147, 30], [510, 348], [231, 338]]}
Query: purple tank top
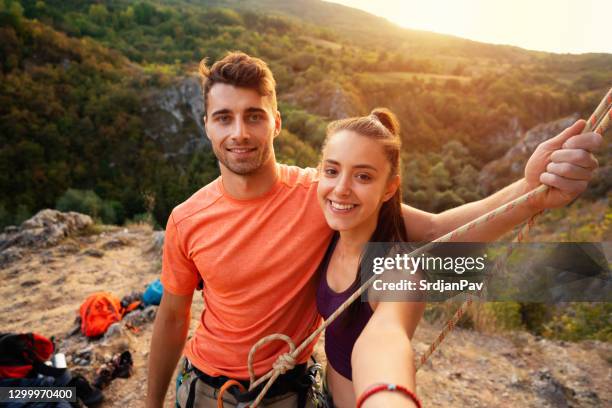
{"points": [[340, 337]]}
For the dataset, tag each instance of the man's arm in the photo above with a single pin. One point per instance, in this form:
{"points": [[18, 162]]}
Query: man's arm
{"points": [[169, 335], [564, 163]]}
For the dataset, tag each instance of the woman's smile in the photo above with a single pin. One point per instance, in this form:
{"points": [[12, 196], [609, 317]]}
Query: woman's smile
{"points": [[341, 208]]}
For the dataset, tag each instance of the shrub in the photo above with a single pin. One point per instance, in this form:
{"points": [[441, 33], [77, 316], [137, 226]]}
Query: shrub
{"points": [[146, 218], [88, 202], [582, 321], [493, 317]]}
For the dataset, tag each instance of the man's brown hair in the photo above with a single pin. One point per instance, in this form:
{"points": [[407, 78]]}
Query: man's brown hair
{"points": [[238, 69]]}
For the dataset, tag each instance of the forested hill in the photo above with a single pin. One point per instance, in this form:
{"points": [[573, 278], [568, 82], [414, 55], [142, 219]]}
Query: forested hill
{"points": [[100, 110]]}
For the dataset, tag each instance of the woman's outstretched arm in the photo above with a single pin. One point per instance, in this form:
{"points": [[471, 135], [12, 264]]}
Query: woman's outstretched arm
{"points": [[383, 353], [565, 163]]}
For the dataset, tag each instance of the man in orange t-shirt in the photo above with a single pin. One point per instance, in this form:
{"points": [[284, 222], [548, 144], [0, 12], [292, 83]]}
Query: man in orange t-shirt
{"points": [[255, 237]]}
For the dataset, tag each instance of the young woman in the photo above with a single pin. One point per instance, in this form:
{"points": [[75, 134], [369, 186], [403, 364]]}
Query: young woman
{"points": [[359, 191]]}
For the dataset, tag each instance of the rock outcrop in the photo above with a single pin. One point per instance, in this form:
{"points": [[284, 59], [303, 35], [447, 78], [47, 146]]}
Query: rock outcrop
{"points": [[46, 228], [173, 117], [508, 168]]}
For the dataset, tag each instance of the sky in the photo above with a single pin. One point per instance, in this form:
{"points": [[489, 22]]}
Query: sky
{"points": [[561, 26]]}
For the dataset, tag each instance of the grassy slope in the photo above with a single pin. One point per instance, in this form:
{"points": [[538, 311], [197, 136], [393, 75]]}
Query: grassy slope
{"points": [[319, 32]]}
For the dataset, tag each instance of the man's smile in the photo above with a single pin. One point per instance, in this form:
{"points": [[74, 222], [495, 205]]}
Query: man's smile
{"points": [[241, 152]]}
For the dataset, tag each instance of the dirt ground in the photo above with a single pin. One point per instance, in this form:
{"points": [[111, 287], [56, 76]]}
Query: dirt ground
{"points": [[42, 292]]}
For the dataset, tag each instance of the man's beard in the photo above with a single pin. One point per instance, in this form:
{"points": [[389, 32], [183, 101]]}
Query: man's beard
{"points": [[246, 167]]}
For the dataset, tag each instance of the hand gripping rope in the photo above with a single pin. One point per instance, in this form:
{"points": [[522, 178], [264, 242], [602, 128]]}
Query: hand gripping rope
{"points": [[599, 122]]}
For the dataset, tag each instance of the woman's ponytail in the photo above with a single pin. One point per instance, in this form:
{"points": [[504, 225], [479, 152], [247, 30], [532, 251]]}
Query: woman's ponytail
{"points": [[388, 120]]}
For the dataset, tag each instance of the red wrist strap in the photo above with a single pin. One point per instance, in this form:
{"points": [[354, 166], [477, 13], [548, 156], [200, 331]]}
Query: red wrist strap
{"points": [[387, 387]]}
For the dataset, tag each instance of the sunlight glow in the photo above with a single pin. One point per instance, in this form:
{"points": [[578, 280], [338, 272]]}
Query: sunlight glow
{"points": [[562, 26]]}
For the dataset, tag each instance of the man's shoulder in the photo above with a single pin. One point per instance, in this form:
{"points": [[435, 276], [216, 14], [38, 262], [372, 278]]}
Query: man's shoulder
{"points": [[293, 176], [200, 200]]}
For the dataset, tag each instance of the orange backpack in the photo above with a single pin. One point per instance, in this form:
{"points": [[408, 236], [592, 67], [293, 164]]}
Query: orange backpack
{"points": [[99, 311]]}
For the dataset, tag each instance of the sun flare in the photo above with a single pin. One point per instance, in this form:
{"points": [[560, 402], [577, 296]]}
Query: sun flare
{"points": [[564, 26]]}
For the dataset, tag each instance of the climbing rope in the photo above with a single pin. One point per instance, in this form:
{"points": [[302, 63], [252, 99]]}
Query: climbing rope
{"points": [[600, 121], [462, 309]]}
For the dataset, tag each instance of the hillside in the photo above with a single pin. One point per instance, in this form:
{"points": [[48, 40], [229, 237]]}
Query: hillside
{"points": [[471, 368], [101, 97], [101, 113], [363, 29]]}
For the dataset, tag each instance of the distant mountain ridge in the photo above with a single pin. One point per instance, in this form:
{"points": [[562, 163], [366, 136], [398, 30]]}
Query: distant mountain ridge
{"points": [[102, 96], [359, 25]]}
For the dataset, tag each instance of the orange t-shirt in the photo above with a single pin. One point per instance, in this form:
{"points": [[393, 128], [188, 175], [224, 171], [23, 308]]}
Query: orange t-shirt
{"points": [[258, 260]]}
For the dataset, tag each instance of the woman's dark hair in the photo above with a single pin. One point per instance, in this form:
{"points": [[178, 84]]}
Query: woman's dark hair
{"points": [[381, 125]]}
